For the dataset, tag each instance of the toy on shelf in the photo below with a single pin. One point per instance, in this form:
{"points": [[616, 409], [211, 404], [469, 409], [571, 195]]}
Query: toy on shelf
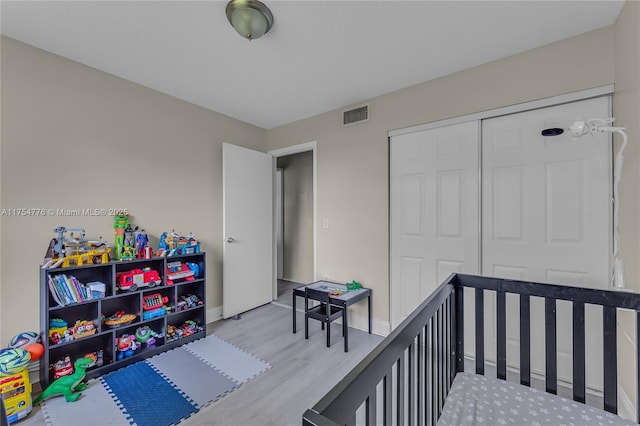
{"points": [[187, 302], [59, 332], [136, 278], [142, 245], [145, 335], [66, 250], [70, 386], [96, 357], [57, 329], [153, 305], [172, 244], [125, 346], [62, 367], [119, 319], [180, 271], [83, 328], [120, 223], [188, 328]]}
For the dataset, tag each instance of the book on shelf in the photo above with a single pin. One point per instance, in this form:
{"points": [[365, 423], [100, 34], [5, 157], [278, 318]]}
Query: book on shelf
{"points": [[67, 290]]}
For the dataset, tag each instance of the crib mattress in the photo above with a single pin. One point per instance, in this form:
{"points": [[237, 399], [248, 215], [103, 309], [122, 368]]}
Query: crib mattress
{"points": [[479, 400]]}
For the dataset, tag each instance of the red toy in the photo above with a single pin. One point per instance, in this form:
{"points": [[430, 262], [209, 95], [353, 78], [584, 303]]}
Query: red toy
{"points": [[179, 271], [132, 280]]}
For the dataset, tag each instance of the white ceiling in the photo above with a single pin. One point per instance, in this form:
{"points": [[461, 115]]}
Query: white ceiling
{"points": [[319, 55]]}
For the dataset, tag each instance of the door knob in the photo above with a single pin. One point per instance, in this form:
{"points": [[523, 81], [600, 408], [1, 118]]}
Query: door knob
{"points": [[229, 239]]}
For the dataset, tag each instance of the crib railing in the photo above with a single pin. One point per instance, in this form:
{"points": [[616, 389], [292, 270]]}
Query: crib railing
{"points": [[407, 377]]}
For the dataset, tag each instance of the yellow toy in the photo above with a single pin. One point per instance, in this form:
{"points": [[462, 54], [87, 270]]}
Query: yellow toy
{"points": [[16, 392]]}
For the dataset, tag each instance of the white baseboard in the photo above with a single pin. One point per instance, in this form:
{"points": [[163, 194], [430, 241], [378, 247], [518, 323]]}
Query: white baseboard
{"points": [[379, 328], [214, 314]]}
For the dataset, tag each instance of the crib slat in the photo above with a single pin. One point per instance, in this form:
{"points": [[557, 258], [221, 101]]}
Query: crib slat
{"points": [[410, 371], [525, 340], [551, 361], [479, 331], [420, 379], [439, 359], [501, 350], [638, 366], [578, 352], [400, 390], [610, 356], [371, 408], [388, 398], [432, 379], [459, 330]]}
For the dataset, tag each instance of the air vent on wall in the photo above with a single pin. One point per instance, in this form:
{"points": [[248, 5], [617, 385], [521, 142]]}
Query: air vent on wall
{"points": [[355, 115]]}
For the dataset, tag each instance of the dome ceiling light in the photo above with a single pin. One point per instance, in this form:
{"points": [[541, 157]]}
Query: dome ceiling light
{"points": [[250, 18]]}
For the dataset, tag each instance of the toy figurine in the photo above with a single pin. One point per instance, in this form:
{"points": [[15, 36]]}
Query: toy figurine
{"points": [[70, 386], [120, 223], [126, 346], [142, 245], [144, 335]]}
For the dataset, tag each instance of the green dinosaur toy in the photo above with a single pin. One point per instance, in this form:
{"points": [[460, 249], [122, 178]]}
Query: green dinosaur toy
{"points": [[69, 386]]}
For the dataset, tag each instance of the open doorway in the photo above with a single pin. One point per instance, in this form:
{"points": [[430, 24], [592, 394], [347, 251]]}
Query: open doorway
{"points": [[295, 217]]}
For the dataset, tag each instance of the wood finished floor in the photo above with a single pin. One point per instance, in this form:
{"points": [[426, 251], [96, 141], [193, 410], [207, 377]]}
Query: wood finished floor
{"points": [[302, 371]]}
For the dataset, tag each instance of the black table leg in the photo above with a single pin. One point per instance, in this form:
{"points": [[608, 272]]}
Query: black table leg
{"points": [[345, 327], [294, 311], [369, 313]]}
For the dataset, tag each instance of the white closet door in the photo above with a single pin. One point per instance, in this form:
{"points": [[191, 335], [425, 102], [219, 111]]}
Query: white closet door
{"points": [[434, 211], [546, 217]]}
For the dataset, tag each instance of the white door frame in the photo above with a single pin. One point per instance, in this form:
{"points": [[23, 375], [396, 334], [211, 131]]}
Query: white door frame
{"points": [[297, 149]]}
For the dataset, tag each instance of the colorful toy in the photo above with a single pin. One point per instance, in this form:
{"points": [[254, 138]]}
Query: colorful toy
{"points": [[120, 223], [153, 306], [125, 346], [145, 335], [13, 361], [119, 319], [62, 367], [132, 280], [142, 245], [57, 330], [179, 271], [353, 285], [70, 386], [187, 302], [36, 350], [16, 393], [83, 328], [23, 339], [176, 244], [97, 358], [66, 250]]}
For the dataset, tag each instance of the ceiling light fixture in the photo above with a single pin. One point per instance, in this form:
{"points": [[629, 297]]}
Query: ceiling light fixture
{"points": [[250, 18]]}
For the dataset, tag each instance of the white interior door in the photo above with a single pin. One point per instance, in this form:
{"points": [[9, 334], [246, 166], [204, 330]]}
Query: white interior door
{"points": [[434, 211], [247, 192], [546, 217]]}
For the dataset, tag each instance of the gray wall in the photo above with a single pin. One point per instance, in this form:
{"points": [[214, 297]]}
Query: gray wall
{"points": [[74, 137], [353, 161], [298, 216]]}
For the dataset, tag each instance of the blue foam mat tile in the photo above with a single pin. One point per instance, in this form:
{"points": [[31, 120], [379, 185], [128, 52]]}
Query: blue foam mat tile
{"points": [[145, 396]]}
